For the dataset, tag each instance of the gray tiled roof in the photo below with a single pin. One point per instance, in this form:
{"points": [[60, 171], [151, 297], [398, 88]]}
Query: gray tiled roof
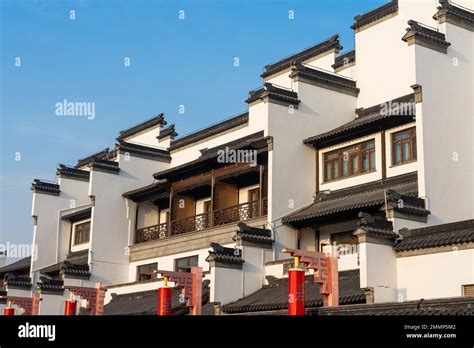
{"points": [[253, 234], [143, 151], [146, 303], [313, 51], [20, 266], [224, 255], [252, 142], [274, 296], [441, 306], [369, 120], [103, 154], [375, 227], [355, 198], [345, 58], [449, 9], [273, 92], [72, 172], [168, 131], [376, 14], [105, 166], [15, 282], [50, 285], [435, 236], [40, 186], [423, 32], [230, 123], [156, 120], [325, 79]]}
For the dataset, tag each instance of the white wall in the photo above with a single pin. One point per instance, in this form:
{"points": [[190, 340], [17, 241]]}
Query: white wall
{"points": [[227, 285], [244, 193], [435, 275], [378, 269], [112, 225], [146, 137], [51, 234], [290, 189], [445, 126], [257, 122]]}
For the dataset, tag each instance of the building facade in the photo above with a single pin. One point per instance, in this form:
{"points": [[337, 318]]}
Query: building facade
{"points": [[371, 149]]}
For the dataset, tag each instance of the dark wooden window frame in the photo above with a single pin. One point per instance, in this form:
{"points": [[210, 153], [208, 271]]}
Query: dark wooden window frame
{"points": [[75, 241], [412, 153], [340, 157], [148, 272], [188, 265]]}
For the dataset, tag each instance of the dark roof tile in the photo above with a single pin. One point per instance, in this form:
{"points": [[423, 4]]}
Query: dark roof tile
{"points": [[369, 120], [72, 172], [375, 15], [272, 92], [207, 132], [344, 59], [224, 255], [275, 295], [355, 198], [253, 234], [435, 236], [330, 44], [325, 79], [142, 151], [39, 186], [157, 120]]}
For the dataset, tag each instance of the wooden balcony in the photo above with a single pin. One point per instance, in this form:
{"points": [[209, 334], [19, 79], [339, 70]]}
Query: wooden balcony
{"points": [[233, 214]]}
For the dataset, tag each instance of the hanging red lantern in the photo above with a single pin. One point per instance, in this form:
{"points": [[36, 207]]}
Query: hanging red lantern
{"points": [[9, 310], [164, 299], [71, 305], [296, 290]]}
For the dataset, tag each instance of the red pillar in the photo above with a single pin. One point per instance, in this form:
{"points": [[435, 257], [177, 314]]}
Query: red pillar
{"points": [[9, 310], [164, 300], [70, 308], [296, 291]]}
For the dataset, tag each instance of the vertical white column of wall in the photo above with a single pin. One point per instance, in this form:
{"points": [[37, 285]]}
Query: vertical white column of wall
{"points": [[378, 270]]}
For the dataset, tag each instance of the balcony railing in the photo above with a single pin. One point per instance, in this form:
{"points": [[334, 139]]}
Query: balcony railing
{"points": [[240, 212]]}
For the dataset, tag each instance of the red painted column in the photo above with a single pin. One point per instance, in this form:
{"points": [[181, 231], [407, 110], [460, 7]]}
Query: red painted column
{"points": [[296, 290], [164, 299], [71, 305]]}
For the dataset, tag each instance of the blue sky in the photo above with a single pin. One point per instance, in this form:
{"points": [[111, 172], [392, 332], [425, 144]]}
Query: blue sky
{"points": [[173, 62]]}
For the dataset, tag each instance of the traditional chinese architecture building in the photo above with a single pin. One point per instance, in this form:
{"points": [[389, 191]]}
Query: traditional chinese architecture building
{"points": [[369, 149]]}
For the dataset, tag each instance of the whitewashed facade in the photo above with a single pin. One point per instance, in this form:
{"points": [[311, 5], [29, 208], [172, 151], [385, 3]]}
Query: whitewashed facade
{"points": [[157, 201]]}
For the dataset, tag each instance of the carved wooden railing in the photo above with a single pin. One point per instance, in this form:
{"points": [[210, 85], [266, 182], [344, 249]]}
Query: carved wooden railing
{"points": [[192, 223], [151, 233], [240, 212]]}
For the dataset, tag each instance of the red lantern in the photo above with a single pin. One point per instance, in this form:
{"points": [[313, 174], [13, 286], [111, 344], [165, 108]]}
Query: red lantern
{"points": [[296, 291], [164, 300]]}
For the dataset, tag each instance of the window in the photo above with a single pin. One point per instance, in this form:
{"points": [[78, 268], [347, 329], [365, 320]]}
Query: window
{"points": [[184, 264], [468, 290], [253, 196], [349, 161], [145, 272], [404, 146], [81, 232]]}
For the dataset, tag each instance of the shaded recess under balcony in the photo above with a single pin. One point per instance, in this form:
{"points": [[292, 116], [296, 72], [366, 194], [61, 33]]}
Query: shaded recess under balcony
{"points": [[206, 192]]}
